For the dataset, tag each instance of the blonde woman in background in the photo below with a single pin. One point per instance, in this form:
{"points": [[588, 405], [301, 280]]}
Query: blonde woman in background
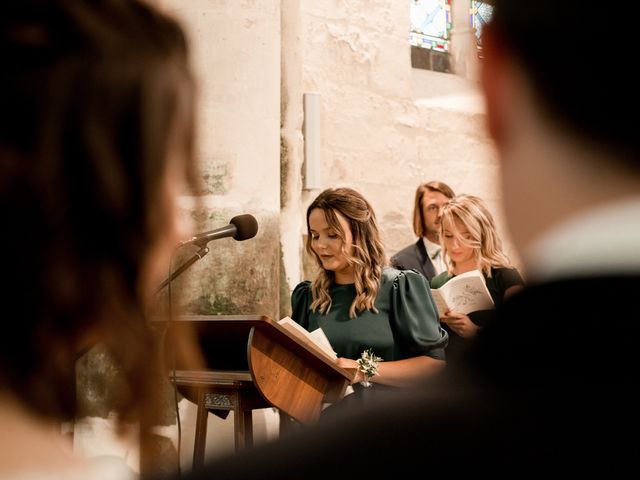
{"points": [[470, 241], [359, 302]]}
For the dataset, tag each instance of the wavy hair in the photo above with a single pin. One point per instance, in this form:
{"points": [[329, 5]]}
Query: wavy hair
{"points": [[472, 212], [367, 257]]}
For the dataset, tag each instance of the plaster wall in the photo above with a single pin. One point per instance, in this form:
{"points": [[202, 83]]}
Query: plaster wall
{"points": [[236, 54], [386, 127]]}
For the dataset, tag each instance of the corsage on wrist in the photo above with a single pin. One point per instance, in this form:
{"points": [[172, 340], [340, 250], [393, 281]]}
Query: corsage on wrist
{"points": [[368, 365]]}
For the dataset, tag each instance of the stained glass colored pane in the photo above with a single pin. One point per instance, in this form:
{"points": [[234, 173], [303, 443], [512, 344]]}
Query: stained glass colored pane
{"points": [[430, 24], [480, 15]]}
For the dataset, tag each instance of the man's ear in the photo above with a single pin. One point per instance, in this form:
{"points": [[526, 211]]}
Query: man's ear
{"points": [[493, 79]]}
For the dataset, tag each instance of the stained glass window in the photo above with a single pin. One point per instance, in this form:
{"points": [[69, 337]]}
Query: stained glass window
{"points": [[480, 14], [430, 24]]}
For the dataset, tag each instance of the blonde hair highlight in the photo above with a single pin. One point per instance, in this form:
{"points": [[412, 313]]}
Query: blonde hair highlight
{"points": [[473, 213], [367, 258]]}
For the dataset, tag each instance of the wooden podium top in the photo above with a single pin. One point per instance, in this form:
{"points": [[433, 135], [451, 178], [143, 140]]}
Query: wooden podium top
{"points": [[291, 374]]}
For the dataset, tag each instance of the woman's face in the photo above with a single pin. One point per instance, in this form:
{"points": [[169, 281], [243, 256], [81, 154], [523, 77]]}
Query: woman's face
{"points": [[459, 252], [328, 245]]}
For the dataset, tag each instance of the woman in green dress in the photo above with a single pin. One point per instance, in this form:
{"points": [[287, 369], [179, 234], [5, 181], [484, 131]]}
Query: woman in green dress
{"points": [[470, 241], [362, 304]]}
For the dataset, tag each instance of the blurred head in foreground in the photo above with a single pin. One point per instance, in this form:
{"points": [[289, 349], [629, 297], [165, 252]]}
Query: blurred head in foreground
{"points": [[559, 118], [96, 140]]}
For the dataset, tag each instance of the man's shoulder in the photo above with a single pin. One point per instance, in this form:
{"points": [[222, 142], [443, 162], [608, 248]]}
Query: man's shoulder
{"points": [[587, 288], [573, 301], [563, 332], [409, 257], [570, 301], [408, 250]]}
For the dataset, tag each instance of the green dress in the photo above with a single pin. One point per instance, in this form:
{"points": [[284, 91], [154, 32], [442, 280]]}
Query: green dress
{"points": [[405, 326]]}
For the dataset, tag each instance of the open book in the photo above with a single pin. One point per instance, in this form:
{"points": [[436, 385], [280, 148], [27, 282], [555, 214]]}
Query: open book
{"points": [[317, 338], [464, 293]]}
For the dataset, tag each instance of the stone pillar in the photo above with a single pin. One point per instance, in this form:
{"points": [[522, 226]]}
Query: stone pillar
{"points": [[291, 151], [464, 55]]}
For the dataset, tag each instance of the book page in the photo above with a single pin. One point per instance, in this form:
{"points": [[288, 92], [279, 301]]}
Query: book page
{"points": [[438, 299], [466, 293], [323, 342], [316, 338]]}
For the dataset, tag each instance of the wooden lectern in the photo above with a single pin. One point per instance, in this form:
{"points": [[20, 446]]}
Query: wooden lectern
{"points": [[254, 362]]}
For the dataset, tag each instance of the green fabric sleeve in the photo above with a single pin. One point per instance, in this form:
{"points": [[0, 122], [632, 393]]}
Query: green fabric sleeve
{"points": [[440, 279], [300, 303], [414, 318]]}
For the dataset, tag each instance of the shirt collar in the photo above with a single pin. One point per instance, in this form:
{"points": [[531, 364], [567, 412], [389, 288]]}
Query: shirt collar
{"points": [[603, 240], [432, 248]]}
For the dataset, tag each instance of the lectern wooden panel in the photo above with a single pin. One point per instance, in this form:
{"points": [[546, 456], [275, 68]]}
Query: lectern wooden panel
{"points": [[254, 362]]}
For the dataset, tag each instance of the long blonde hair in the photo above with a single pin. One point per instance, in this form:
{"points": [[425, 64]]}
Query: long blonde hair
{"points": [[367, 256], [472, 212]]}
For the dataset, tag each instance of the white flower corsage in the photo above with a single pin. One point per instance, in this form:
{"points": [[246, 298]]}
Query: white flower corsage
{"points": [[368, 365]]}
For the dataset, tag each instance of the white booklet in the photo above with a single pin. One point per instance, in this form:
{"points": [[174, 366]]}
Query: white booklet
{"points": [[316, 338], [464, 293]]}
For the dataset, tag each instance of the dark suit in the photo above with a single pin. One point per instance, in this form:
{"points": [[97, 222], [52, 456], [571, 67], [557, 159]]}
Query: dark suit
{"points": [[414, 256], [550, 386]]}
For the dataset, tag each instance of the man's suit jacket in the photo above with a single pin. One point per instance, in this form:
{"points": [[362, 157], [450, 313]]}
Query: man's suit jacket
{"points": [[414, 256], [550, 386]]}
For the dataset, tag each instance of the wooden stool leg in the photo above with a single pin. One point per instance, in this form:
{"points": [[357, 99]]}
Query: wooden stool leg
{"points": [[243, 426], [248, 428], [201, 432], [286, 424]]}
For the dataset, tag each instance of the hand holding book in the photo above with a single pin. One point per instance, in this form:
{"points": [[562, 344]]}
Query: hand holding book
{"points": [[464, 293], [460, 323]]}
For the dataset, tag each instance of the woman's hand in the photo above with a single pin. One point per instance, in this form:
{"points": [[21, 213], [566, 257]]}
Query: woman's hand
{"points": [[460, 324], [350, 364]]}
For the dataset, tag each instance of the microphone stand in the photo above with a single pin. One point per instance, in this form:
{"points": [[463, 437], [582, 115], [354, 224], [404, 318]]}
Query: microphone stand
{"points": [[194, 258]]}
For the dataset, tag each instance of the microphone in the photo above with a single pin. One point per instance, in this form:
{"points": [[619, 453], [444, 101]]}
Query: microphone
{"points": [[241, 227]]}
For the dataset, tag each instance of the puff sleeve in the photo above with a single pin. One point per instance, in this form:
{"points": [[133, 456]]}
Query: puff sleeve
{"points": [[300, 303], [414, 318]]}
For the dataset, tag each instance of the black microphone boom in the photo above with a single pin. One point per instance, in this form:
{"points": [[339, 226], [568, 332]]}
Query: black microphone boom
{"points": [[241, 227]]}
